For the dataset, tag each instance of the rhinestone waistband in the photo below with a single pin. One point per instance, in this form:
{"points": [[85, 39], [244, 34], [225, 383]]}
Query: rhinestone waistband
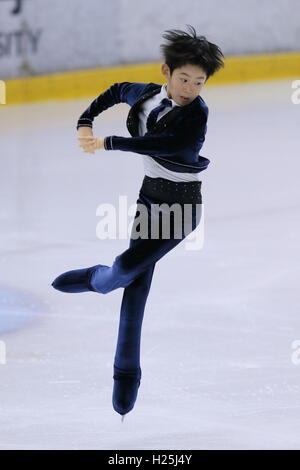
{"points": [[165, 190]]}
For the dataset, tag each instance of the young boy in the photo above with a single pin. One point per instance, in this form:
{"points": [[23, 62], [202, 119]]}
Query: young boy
{"points": [[167, 124]]}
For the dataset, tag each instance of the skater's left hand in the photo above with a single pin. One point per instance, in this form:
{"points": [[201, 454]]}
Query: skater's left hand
{"points": [[90, 143]]}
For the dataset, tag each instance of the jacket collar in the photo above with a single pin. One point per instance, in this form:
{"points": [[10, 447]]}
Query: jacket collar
{"points": [[152, 89]]}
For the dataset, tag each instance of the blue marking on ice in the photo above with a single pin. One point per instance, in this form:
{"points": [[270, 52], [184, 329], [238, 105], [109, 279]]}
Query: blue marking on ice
{"points": [[17, 309]]}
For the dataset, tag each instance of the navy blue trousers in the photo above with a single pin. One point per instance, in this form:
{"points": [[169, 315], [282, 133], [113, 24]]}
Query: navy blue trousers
{"points": [[133, 270]]}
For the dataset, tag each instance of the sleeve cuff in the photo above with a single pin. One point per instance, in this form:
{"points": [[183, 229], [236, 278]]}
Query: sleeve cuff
{"points": [[108, 143], [84, 122]]}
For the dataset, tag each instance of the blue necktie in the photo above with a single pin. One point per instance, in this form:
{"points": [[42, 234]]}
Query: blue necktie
{"points": [[155, 112]]}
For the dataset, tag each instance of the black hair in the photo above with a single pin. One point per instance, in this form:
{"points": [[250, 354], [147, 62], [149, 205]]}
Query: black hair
{"points": [[191, 49]]}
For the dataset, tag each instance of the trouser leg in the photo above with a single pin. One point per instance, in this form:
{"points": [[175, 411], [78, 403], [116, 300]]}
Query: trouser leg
{"points": [[136, 259], [127, 370], [134, 299]]}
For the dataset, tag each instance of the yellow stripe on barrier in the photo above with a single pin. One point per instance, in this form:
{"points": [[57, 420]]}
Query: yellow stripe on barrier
{"points": [[90, 83]]}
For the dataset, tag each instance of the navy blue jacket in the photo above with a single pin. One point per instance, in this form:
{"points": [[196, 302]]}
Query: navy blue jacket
{"points": [[175, 140]]}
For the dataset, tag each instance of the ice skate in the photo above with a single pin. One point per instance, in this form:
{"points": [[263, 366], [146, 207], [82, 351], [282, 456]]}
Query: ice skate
{"points": [[126, 385], [77, 280]]}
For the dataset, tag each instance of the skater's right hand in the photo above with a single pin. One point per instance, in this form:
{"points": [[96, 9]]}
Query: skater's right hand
{"points": [[85, 131]]}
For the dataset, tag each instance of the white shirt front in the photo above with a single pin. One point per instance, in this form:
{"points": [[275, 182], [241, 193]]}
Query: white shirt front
{"points": [[151, 167]]}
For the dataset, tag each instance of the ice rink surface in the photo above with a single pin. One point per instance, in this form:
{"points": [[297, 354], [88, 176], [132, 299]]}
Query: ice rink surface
{"points": [[217, 357]]}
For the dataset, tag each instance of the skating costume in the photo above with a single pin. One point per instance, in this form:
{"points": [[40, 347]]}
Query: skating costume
{"points": [[169, 137]]}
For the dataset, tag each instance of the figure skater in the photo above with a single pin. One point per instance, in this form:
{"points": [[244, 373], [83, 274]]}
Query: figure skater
{"points": [[167, 124]]}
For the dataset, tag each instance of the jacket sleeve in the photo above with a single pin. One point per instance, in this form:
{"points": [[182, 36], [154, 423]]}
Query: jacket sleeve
{"points": [[123, 92], [190, 136]]}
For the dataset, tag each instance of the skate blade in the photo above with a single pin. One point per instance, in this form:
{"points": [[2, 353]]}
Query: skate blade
{"points": [[122, 417]]}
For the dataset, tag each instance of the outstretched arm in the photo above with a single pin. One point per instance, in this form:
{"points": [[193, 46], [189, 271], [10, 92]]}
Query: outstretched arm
{"points": [[192, 135], [120, 92]]}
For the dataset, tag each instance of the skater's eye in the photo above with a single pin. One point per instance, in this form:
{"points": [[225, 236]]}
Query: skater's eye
{"points": [[198, 84]]}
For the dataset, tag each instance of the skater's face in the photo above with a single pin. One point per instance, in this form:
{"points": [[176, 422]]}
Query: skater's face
{"points": [[185, 82]]}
